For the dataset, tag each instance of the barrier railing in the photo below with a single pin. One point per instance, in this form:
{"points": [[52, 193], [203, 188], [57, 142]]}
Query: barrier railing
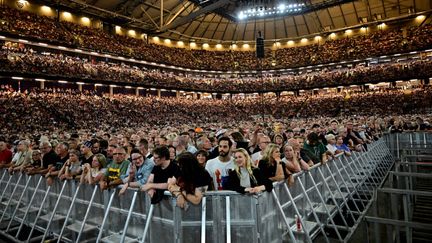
{"points": [[408, 143], [400, 211], [329, 201]]}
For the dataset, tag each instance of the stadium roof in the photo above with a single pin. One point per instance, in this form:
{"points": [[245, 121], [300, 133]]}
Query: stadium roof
{"points": [[240, 20]]}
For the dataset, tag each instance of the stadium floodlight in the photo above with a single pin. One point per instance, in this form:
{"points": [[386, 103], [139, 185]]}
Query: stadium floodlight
{"points": [[275, 10], [242, 15]]}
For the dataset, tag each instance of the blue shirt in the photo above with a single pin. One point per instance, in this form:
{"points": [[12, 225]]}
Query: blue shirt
{"points": [[142, 174]]}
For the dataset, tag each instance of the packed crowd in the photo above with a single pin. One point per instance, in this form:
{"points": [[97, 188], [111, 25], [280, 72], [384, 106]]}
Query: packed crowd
{"points": [[27, 61], [37, 111], [186, 159], [377, 43]]}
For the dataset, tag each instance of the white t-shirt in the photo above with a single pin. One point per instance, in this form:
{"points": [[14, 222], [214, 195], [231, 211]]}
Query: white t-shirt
{"points": [[256, 157], [218, 170]]}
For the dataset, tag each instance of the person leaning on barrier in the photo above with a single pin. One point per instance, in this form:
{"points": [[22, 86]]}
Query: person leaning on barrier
{"points": [[272, 167], [341, 146], [49, 158], [71, 168], [93, 173], [22, 157], [162, 171], [62, 150], [245, 178], [138, 171], [218, 167], [35, 162], [316, 148], [193, 181], [115, 169]]}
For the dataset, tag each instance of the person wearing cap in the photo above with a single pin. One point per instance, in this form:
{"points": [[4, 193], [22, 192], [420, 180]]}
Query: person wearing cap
{"points": [[5, 153], [86, 152], [219, 166]]}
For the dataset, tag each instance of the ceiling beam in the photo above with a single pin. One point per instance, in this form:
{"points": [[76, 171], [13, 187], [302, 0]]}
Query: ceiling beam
{"points": [[195, 15], [180, 11]]}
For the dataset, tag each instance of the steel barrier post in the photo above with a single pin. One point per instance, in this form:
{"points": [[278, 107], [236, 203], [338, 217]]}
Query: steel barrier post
{"points": [[19, 202], [106, 215], [147, 225], [87, 213], [284, 216], [316, 216], [68, 213], [28, 207], [10, 198], [123, 237], [54, 210], [39, 212], [203, 219], [308, 238]]}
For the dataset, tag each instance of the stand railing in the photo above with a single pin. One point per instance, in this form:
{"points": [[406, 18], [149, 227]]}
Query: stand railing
{"points": [[329, 200]]}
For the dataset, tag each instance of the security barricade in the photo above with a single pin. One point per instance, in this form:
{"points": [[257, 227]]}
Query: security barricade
{"points": [[325, 203], [400, 211], [411, 143]]}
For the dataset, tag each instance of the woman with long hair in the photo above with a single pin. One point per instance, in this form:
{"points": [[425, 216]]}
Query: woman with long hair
{"points": [[272, 167], [94, 172], [246, 178], [194, 180], [290, 159]]}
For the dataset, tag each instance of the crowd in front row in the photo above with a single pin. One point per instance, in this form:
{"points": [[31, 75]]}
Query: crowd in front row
{"points": [[246, 158]]}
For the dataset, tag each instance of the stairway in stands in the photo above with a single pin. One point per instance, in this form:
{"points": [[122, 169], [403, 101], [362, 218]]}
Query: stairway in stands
{"points": [[422, 211]]}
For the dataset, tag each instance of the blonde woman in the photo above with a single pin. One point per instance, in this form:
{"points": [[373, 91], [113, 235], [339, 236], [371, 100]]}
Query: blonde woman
{"points": [[245, 178], [272, 167]]}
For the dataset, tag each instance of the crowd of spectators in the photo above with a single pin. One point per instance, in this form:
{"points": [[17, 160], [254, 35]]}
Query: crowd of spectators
{"points": [[376, 43], [189, 146], [59, 65], [40, 110]]}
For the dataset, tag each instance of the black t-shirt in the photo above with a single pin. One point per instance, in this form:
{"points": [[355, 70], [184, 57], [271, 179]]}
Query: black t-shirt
{"points": [[84, 160], [59, 164], [50, 158], [162, 176]]}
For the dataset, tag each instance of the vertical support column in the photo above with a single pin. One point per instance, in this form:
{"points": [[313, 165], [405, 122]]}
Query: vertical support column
{"points": [[137, 91], [177, 94], [194, 95], [42, 84], [161, 13], [80, 87], [111, 90], [158, 93]]}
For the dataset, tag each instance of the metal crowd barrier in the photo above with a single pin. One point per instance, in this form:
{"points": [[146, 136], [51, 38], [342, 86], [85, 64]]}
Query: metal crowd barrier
{"points": [[408, 143], [329, 201], [401, 208]]}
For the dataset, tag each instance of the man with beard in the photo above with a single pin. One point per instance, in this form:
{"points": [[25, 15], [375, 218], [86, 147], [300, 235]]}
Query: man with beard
{"points": [[219, 166]]}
